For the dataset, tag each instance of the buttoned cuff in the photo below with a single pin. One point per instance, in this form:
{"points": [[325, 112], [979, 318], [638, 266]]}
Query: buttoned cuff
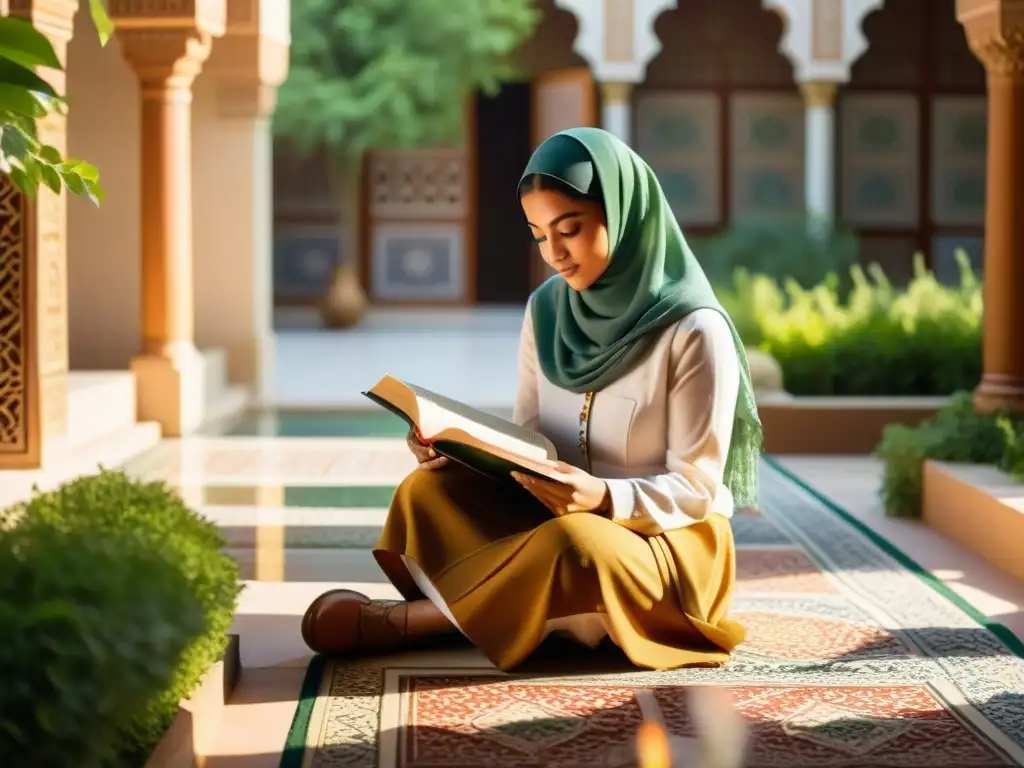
{"points": [[626, 509], [623, 502]]}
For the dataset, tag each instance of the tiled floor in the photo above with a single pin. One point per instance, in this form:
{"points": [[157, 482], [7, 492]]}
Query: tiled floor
{"points": [[301, 496], [301, 513]]}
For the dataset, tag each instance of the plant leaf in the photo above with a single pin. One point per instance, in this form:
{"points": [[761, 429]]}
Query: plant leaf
{"points": [[51, 178], [15, 74], [50, 154], [101, 20], [23, 44], [15, 144], [20, 101]]}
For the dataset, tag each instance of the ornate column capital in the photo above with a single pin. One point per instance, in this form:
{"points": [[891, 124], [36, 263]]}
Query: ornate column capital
{"points": [[166, 42], [995, 33], [819, 93], [616, 93], [54, 18], [251, 61]]}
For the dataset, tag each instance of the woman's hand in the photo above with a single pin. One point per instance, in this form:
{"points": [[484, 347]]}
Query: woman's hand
{"points": [[578, 491], [427, 457]]}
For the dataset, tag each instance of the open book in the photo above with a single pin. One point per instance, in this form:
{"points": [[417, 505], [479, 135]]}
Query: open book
{"points": [[482, 441]]}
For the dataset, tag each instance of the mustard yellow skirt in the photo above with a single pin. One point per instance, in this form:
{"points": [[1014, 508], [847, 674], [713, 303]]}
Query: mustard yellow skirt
{"points": [[507, 570]]}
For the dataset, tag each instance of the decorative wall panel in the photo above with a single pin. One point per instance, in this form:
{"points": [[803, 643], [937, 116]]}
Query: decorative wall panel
{"points": [[767, 165], [14, 309], [879, 160], [678, 134], [414, 262], [895, 255], [305, 257], [944, 262], [418, 207], [418, 184], [959, 140]]}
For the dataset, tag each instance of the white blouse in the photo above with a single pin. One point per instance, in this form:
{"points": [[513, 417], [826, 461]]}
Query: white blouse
{"points": [[659, 435]]}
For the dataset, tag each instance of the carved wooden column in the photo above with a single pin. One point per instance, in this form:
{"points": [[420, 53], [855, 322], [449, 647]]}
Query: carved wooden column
{"points": [[33, 284], [995, 32], [234, 173], [166, 44]]}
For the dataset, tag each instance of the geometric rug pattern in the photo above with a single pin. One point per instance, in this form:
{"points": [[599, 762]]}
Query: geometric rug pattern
{"points": [[855, 659]]}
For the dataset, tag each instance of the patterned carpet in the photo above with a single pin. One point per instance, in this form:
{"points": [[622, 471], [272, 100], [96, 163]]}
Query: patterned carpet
{"points": [[856, 659]]}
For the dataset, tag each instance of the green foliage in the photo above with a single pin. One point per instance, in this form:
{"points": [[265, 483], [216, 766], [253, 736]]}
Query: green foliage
{"points": [[26, 98], [877, 340], [957, 433], [92, 624], [114, 503], [794, 249], [392, 73]]}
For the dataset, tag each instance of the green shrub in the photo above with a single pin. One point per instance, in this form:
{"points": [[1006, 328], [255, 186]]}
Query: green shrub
{"points": [[956, 433], [878, 340], [112, 502], [793, 249], [92, 623]]}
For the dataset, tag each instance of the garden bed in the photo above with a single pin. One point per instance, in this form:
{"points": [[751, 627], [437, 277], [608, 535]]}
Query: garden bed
{"points": [[192, 732], [980, 507], [837, 425]]}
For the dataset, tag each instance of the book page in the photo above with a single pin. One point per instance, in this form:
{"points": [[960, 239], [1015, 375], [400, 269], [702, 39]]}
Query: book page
{"points": [[435, 414]]}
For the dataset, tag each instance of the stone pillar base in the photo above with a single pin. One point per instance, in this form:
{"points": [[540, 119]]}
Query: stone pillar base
{"points": [[999, 393], [171, 389]]}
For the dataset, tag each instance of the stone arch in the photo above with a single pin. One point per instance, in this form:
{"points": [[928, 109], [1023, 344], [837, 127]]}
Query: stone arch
{"points": [[623, 62], [823, 38]]}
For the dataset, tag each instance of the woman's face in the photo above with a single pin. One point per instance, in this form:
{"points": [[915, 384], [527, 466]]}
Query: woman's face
{"points": [[571, 234]]}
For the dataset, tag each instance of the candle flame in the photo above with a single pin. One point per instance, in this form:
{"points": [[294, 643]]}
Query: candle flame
{"points": [[652, 746]]}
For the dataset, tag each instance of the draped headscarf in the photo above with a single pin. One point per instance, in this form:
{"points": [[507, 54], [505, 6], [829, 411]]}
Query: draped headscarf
{"points": [[588, 339]]}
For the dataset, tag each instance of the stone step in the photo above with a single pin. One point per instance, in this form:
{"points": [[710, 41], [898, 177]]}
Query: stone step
{"points": [[110, 451], [100, 403], [271, 562], [303, 527]]}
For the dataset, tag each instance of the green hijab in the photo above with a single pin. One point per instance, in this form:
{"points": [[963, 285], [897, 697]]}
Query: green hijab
{"points": [[588, 339]]}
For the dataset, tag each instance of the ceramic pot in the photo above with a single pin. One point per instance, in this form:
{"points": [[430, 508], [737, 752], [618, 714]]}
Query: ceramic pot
{"points": [[345, 302], [765, 372]]}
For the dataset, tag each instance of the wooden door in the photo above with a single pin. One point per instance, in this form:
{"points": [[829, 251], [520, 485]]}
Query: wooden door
{"points": [[562, 99]]}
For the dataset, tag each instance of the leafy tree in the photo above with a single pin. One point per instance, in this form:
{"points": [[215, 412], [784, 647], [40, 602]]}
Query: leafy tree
{"points": [[391, 74], [26, 98]]}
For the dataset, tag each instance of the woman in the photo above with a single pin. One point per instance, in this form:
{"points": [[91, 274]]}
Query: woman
{"points": [[630, 366]]}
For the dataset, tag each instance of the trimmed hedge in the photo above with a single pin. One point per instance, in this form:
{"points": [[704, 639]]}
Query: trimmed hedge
{"points": [[873, 340], [112, 504]]}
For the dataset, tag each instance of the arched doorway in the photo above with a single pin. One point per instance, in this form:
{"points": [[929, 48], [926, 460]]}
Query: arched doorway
{"points": [[506, 128]]}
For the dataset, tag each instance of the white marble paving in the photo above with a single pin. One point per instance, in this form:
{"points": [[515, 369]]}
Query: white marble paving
{"points": [[469, 355], [268, 462]]}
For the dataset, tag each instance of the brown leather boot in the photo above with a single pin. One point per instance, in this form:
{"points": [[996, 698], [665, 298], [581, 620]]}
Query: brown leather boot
{"points": [[343, 621]]}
